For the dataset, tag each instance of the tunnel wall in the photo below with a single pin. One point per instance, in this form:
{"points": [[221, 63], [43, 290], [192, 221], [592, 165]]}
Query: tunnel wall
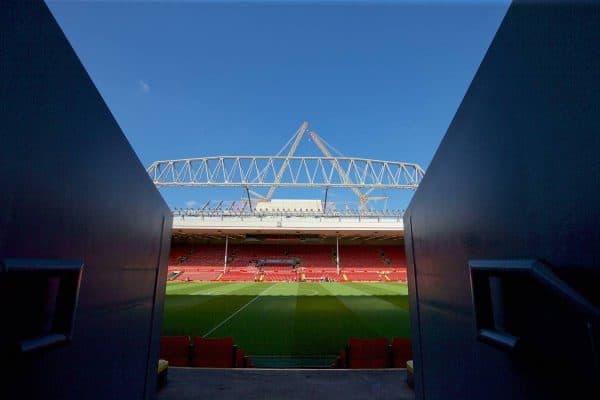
{"points": [[515, 177], [73, 189]]}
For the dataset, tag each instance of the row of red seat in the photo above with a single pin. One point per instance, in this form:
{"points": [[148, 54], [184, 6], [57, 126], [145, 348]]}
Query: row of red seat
{"points": [[199, 276], [238, 276], [313, 256], [392, 274], [281, 274], [183, 351], [375, 353], [316, 255]]}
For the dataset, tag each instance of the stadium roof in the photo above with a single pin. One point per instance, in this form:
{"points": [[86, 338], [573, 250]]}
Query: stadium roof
{"points": [[254, 173], [347, 226]]}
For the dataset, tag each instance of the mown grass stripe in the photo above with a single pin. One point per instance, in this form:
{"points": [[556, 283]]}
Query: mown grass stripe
{"points": [[238, 311]]}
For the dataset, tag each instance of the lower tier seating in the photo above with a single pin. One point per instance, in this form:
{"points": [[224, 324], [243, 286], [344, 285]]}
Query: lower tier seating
{"points": [[176, 350], [205, 262], [285, 274], [374, 353], [183, 351]]}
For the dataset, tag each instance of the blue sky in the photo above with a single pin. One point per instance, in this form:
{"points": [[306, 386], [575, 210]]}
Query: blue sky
{"points": [[192, 79]]}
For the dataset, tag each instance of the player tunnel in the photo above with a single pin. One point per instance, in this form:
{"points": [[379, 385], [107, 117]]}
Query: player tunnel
{"points": [[502, 235]]}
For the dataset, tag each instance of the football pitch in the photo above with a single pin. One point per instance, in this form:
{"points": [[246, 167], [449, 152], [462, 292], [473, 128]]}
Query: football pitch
{"points": [[281, 324]]}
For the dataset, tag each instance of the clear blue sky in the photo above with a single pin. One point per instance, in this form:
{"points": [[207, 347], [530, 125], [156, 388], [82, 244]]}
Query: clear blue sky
{"points": [[194, 79]]}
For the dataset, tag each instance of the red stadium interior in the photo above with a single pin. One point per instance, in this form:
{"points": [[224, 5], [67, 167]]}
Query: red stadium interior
{"points": [[271, 260], [285, 259]]}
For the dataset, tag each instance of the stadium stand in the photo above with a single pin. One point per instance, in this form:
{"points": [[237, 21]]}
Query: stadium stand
{"points": [[195, 263], [257, 262], [398, 274], [314, 274], [207, 274], [278, 275], [208, 255], [361, 275], [246, 274], [178, 254]]}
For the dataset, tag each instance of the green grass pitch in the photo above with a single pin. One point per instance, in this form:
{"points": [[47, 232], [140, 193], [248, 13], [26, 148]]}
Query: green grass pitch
{"points": [[287, 324]]}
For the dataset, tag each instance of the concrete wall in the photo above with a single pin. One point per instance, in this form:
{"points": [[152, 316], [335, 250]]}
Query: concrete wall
{"points": [[516, 176], [72, 188], [279, 224]]}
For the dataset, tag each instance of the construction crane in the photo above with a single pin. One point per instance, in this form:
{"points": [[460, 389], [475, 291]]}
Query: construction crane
{"points": [[362, 198], [298, 137]]}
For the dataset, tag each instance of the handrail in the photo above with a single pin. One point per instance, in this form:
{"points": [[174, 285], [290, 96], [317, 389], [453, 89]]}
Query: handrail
{"points": [[539, 272]]}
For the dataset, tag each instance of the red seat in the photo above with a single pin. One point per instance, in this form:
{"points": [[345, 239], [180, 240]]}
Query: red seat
{"points": [[368, 353], [401, 352], [240, 359], [340, 361], [176, 350], [213, 352], [248, 362]]}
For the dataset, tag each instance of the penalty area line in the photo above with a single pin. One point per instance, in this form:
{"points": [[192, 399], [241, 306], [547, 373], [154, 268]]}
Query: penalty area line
{"points": [[237, 311]]}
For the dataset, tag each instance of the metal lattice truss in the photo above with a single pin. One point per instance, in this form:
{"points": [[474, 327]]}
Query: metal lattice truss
{"points": [[281, 171]]}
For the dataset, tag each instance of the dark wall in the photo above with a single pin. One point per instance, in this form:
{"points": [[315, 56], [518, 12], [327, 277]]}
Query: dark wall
{"points": [[73, 188], [516, 176]]}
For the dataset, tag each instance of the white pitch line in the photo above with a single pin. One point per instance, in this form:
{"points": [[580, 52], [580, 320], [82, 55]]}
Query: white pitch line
{"points": [[240, 309], [307, 292]]}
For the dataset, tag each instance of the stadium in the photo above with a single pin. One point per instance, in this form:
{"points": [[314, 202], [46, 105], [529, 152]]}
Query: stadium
{"points": [[308, 262], [488, 281]]}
